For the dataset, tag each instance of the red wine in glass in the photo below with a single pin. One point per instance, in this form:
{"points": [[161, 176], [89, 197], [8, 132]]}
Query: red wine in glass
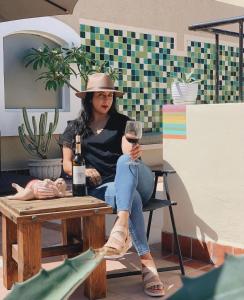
{"points": [[131, 139], [133, 133]]}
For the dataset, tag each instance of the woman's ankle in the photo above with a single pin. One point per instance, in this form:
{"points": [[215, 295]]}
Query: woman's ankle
{"points": [[147, 260], [123, 218], [146, 256], [123, 214]]}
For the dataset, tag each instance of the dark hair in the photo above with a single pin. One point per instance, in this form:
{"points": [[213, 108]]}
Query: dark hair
{"points": [[85, 117]]}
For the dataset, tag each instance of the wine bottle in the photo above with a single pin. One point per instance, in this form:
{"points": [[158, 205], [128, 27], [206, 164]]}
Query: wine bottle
{"points": [[78, 171]]}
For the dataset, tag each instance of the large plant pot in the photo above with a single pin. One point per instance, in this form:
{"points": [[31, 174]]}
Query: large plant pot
{"points": [[45, 168], [184, 93]]}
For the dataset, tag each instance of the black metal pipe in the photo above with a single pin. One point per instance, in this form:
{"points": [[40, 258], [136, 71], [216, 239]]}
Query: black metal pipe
{"points": [[241, 61], [232, 20], [221, 31], [216, 68], [208, 27]]}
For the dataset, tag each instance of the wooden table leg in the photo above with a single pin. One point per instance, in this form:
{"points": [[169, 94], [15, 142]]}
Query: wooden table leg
{"points": [[94, 236], [71, 230], [29, 250], [9, 237]]}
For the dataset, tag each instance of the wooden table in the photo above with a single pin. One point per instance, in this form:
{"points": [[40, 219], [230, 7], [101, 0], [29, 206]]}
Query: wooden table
{"points": [[21, 236]]}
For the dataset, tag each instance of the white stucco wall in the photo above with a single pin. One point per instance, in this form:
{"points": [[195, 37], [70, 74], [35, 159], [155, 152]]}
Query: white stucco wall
{"points": [[209, 185], [163, 15], [57, 31], [10, 119]]}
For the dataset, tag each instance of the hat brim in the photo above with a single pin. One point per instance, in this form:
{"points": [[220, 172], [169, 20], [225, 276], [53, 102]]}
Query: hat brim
{"points": [[82, 94]]}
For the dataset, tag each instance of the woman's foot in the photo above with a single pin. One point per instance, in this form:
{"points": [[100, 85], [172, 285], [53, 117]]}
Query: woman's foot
{"points": [[119, 241], [153, 286]]}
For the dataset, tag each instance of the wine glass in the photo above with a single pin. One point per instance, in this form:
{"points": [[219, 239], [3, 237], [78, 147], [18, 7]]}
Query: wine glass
{"points": [[133, 132]]}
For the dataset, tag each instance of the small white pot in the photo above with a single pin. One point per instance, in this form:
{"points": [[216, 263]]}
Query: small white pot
{"points": [[184, 93], [45, 168]]}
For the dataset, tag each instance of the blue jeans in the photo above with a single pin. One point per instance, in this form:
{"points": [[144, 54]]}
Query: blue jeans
{"points": [[131, 189]]}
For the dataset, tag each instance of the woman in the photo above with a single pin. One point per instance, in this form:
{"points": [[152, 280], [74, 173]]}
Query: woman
{"points": [[111, 178]]}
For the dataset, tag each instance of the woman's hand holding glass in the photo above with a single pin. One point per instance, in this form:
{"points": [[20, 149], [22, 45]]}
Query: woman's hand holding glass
{"points": [[135, 151], [133, 133]]}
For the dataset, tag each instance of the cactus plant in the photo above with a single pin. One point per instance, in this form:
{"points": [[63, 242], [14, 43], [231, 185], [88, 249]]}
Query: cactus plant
{"points": [[36, 139]]}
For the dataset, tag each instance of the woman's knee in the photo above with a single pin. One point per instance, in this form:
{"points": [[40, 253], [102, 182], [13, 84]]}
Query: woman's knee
{"points": [[123, 159], [125, 172], [123, 164]]}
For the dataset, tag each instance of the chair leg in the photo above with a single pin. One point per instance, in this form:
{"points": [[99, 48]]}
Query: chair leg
{"points": [[173, 225], [149, 224], [151, 211], [176, 241]]}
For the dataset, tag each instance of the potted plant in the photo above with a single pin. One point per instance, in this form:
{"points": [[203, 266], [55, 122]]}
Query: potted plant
{"points": [[184, 89], [61, 63], [36, 141]]}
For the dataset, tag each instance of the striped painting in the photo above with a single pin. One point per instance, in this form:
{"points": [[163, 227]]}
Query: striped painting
{"points": [[174, 121]]}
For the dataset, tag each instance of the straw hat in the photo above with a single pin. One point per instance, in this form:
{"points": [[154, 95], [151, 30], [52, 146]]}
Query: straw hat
{"points": [[99, 82]]}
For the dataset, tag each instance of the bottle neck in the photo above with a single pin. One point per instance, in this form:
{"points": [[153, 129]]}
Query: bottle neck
{"points": [[77, 148]]}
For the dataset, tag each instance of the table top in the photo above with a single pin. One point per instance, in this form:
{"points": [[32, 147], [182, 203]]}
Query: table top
{"points": [[33, 207]]}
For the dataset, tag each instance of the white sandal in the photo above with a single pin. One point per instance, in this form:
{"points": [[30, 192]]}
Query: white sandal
{"points": [[119, 242], [151, 279]]}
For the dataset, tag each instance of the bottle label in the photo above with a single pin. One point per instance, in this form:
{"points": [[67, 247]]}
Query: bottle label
{"points": [[79, 176]]}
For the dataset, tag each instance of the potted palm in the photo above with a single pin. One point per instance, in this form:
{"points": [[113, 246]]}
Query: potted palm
{"points": [[184, 89], [36, 140]]}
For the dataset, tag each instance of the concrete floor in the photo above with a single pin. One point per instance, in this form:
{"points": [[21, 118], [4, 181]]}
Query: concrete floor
{"points": [[124, 287]]}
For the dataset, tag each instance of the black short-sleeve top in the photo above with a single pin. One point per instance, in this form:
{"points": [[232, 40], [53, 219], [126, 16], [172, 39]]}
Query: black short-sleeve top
{"points": [[101, 151]]}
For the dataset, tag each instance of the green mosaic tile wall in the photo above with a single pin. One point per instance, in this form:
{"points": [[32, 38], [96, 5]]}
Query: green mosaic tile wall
{"points": [[201, 57], [148, 66]]}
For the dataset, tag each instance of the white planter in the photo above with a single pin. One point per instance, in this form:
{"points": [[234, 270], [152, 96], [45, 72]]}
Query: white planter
{"points": [[45, 168], [184, 93]]}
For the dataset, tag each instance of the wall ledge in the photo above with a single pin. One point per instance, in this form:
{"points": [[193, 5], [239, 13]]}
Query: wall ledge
{"points": [[207, 251]]}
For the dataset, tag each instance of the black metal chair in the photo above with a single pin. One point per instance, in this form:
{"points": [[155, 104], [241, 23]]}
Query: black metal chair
{"points": [[154, 204]]}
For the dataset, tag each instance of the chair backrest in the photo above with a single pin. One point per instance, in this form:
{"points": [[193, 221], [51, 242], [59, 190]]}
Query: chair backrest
{"points": [[157, 170]]}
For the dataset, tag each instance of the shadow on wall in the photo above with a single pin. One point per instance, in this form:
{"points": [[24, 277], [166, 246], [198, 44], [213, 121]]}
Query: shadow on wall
{"points": [[194, 233]]}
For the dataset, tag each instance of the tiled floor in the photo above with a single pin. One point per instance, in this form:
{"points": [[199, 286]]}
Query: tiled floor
{"points": [[124, 287]]}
